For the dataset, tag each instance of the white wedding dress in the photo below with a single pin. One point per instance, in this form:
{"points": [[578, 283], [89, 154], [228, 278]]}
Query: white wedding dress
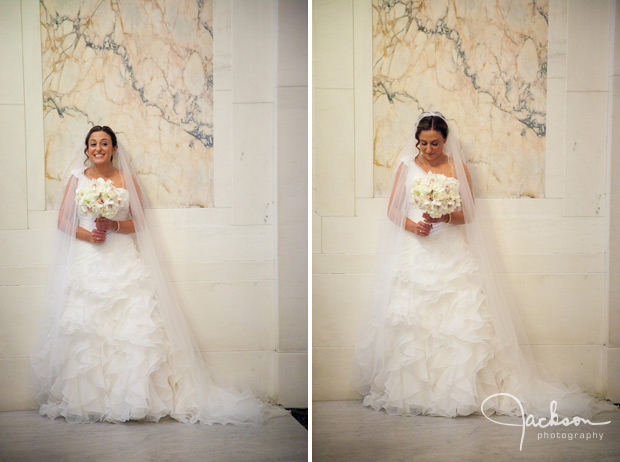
{"points": [[116, 359], [440, 349]]}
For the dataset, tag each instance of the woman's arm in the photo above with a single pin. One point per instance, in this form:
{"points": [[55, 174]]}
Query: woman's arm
{"points": [[458, 218], [66, 223], [119, 226], [396, 215]]}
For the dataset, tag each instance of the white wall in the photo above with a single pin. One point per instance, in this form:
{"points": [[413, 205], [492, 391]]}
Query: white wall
{"points": [[612, 350], [291, 92], [555, 249], [225, 261]]}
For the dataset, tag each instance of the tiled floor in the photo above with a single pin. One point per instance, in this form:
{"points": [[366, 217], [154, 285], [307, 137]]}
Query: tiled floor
{"points": [[347, 431], [25, 436]]}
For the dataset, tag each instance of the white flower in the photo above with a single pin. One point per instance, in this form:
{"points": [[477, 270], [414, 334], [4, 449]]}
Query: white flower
{"points": [[437, 194], [100, 198]]}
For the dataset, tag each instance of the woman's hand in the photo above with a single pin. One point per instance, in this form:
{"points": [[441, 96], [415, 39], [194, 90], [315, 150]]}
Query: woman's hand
{"points": [[97, 236], [441, 219], [422, 228], [104, 224]]}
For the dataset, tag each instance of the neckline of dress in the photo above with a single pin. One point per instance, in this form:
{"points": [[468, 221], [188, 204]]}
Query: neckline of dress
{"points": [[89, 178], [421, 169]]}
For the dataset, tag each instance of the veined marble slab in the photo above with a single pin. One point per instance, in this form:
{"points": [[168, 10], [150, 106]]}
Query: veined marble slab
{"points": [[483, 64], [143, 67]]}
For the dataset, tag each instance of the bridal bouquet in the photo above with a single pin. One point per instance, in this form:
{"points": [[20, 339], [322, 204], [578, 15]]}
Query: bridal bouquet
{"points": [[437, 194], [100, 198]]}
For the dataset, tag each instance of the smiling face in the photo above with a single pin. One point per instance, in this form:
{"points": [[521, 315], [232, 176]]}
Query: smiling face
{"points": [[431, 144], [100, 148]]}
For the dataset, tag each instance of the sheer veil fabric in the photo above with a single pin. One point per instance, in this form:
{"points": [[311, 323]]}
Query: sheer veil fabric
{"points": [[199, 394], [527, 380]]}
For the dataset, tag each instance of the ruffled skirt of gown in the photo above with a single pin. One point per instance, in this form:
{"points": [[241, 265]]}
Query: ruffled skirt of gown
{"points": [[441, 350], [115, 352]]}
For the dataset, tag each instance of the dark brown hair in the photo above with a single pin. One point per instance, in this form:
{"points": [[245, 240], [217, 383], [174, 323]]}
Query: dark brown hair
{"points": [[431, 123]]}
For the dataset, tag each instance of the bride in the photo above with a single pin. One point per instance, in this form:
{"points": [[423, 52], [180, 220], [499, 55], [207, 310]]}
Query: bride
{"points": [[443, 336], [114, 345]]}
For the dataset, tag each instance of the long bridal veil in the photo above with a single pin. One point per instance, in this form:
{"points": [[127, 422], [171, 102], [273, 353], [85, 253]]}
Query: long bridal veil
{"points": [[528, 380], [201, 394]]}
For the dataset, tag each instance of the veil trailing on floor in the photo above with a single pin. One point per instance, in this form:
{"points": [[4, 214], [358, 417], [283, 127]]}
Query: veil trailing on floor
{"points": [[528, 380], [201, 396]]}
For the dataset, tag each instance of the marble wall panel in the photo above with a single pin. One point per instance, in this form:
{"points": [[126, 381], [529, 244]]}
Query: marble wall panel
{"points": [[558, 30], [146, 69], [217, 243], [362, 54], [578, 364], [316, 233], [13, 187], [292, 44], [33, 104], [556, 138], [504, 207], [551, 263], [573, 364], [343, 264], [553, 312], [242, 270], [334, 152], [252, 51], [585, 157], [15, 394], [484, 65], [23, 275], [331, 374], [20, 306], [615, 11], [612, 368], [613, 205], [26, 247], [551, 235], [162, 218], [293, 379], [358, 235], [511, 262], [251, 369], [291, 195], [487, 207], [11, 77], [223, 148], [253, 172], [218, 314], [292, 217], [337, 297], [222, 46], [332, 44], [587, 57]]}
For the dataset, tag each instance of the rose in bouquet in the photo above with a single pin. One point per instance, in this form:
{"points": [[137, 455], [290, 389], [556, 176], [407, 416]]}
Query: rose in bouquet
{"points": [[437, 194], [100, 198]]}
